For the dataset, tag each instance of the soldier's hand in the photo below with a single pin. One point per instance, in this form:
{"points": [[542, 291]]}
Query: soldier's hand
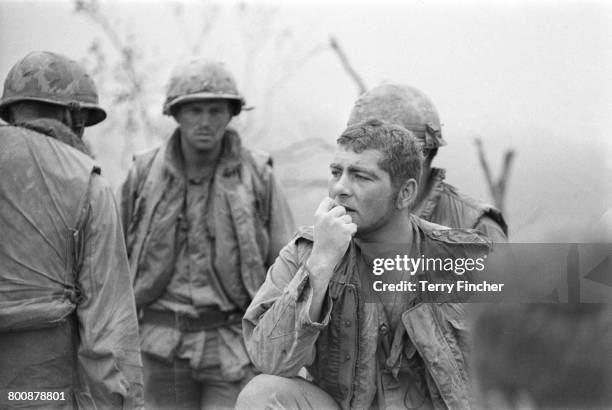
{"points": [[333, 230]]}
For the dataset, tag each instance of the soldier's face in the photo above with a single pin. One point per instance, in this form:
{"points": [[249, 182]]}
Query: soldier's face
{"points": [[203, 123], [362, 187]]}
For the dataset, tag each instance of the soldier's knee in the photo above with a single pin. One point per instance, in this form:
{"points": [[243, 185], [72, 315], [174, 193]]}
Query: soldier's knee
{"points": [[275, 392], [262, 391]]}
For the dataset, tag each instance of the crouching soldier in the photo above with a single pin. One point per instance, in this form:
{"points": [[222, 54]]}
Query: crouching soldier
{"points": [[319, 307], [437, 201]]}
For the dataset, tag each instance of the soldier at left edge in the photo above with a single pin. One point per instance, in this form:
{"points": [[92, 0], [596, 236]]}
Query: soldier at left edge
{"points": [[68, 325]]}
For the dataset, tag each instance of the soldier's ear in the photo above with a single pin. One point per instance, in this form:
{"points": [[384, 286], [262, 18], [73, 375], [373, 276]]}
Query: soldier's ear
{"points": [[406, 194]]}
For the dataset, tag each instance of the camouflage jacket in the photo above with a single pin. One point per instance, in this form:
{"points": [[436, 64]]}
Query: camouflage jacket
{"points": [[247, 219], [339, 351], [445, 205], [244, 188], [66, 260]]}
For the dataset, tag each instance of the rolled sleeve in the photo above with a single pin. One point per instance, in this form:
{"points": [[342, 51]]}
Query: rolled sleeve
{"points": [[306, 321]]}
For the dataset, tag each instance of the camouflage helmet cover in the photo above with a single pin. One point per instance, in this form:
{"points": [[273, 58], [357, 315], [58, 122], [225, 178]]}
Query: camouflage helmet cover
{"points": [[202, 80], [401, 105], [51, 78]]}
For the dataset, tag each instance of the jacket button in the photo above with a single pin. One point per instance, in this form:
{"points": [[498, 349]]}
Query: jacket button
{"points": [[347, 323], [347, 357], [383, 329]]}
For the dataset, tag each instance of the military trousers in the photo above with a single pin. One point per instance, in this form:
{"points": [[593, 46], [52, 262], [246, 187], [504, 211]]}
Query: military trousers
{"points": [[172, 386], [37, 361], [274, 392]]}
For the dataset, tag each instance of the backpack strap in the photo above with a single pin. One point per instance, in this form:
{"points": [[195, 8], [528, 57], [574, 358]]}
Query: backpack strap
{"points": [[254, 169], [76, 249], [143, 214], [76, 241]]}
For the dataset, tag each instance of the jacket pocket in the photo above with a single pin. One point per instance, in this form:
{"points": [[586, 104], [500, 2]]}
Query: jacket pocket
{"points": [[160, 341], [457, 328]]}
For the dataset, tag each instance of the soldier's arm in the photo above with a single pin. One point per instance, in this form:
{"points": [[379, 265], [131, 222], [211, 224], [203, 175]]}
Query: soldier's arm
{"points": [[108, 350], [278, 332], [283, 322]]}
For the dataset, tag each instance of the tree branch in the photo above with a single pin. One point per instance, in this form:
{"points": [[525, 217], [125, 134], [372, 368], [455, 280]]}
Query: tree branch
{"points": [[333, 42], [497, 188], [91, 9]]}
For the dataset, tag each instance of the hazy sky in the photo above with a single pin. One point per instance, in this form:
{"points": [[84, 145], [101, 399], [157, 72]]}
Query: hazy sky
{"points": [[534, 76], [540, 61]]}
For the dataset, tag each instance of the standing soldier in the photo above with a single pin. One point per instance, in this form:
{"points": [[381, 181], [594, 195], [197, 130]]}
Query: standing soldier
{"points": [[68, 326], [204, 218], [437, 201]]}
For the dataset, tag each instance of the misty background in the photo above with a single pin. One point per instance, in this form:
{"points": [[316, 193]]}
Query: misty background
{"points": [[534, 77]]}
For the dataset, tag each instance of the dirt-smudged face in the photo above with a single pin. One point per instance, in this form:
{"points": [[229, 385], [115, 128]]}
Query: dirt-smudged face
{"points": [[203, 123], [362, 187]]}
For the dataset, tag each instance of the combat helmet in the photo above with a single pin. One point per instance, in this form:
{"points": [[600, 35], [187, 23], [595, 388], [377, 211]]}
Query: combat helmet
{"points": [[401, 105], [51, 78], [202, 80]]}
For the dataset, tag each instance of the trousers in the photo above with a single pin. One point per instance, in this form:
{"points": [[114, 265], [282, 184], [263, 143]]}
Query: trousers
{"points": [[172, 386], [274, 392], [37, 360]]}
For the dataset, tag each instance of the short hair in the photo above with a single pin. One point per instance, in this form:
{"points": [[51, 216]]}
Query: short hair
{"points": [[560, 355], [402, 152]]}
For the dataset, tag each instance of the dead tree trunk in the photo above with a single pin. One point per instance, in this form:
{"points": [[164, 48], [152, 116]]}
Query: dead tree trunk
{"points": [[361, 87], [497, 189]]}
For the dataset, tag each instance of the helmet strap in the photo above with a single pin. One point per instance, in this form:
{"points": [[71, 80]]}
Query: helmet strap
{"points": [[76, 118]]}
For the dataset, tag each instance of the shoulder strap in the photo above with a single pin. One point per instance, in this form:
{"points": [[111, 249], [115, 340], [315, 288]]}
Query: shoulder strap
{"points": [[76, 240], [146, 159], [143, 213], [76, 258], [152, 170], [254, 166]]}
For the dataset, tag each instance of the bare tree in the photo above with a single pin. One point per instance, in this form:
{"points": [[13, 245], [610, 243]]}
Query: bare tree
{"points": [[348, 67], [128, 71], [132, 78], [497, 188]]}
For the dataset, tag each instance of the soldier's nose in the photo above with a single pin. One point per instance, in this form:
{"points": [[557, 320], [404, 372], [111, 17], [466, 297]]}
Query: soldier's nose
{"points": [[340, 188]]}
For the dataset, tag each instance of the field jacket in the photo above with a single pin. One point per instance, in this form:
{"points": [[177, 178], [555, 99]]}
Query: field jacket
{"points": [[62, 258], [260, 222], [281, 338], [445, 205], [247, 223]]}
